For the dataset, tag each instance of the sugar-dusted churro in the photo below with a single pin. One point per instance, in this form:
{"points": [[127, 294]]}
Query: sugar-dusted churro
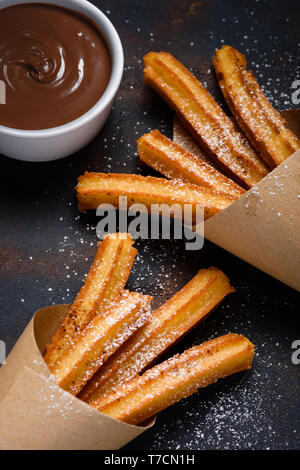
{"points": [[165, 326], [263, 125], [94, 189], [173, 161], [177, 378], [103, 285], [204, 118], [100, 339]]}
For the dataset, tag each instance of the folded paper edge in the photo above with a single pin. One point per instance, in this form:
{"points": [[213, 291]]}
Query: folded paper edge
{"points": [[271, 242], [261, 246], [27, 354]]}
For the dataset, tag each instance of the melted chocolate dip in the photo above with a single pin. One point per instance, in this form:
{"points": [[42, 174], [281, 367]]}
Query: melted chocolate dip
{"points": [[55, 65]]}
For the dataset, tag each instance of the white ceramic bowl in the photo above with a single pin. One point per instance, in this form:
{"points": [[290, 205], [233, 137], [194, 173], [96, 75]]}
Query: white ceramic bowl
{"points": [[58, 142]]}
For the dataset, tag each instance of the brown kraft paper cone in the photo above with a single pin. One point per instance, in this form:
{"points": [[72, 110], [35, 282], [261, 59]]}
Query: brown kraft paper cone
{"points": [[35, 414], [263, 226]]}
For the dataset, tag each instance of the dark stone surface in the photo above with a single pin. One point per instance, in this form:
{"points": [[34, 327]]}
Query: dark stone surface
{"points": [[46, 246]]}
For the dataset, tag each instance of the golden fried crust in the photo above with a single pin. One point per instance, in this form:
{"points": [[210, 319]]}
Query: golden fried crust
{"points": [[166, 326], [177, 378], [173, 161], [94, 189], [103, 285], [263, 125], [204, 118], [99, 340]]}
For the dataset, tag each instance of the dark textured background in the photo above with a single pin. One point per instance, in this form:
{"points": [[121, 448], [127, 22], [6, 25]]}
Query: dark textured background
{"points": [[47, 247]]}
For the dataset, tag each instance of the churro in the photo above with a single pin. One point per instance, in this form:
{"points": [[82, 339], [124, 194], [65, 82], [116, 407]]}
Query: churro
{"points": [[94, 189], [177, 378], [265, 128], [100, 339], [173, 161], [166, 325], [103, 285], [204, 118]]}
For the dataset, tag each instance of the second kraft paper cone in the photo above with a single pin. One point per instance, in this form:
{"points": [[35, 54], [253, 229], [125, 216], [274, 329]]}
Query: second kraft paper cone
{"points": [[36, 414], [263, 226]]}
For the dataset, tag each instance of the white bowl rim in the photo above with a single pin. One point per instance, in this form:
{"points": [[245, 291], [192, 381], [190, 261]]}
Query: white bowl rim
{"points": [[117, 57]]}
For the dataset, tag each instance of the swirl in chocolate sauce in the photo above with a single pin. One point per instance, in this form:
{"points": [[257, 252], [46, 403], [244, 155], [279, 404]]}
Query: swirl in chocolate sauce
{"points": [[55, 65]]}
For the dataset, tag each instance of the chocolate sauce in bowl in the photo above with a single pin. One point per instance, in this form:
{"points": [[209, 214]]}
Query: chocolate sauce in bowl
{"points": [[55, 65]]}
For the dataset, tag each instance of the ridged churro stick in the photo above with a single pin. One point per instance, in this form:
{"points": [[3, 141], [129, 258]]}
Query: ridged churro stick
{"points": [[100, 339], [103, 285], [263, 125], [177, 378], [94, 189], [166, 325], [204, 118], [173, 161]]}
